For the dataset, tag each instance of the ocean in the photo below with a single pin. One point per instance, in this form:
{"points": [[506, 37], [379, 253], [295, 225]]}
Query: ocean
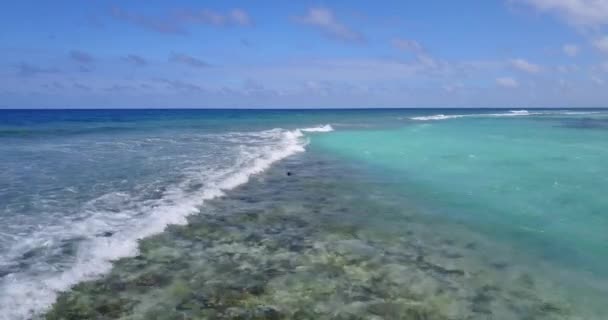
{"points": [[304, 214]]}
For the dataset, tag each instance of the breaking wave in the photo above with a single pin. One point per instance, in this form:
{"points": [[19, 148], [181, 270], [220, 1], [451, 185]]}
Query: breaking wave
{"points": [[117, 220], [511, 113], [325, 128]]}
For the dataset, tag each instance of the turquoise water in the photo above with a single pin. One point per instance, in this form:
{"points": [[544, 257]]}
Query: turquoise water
{"points": [[434, 214], [537, 181]]}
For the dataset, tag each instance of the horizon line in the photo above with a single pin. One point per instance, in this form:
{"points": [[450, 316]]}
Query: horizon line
{"points": [[295, 108]]}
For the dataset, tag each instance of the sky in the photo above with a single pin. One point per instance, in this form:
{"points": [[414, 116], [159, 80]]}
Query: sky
{"points": [[304, 54]]}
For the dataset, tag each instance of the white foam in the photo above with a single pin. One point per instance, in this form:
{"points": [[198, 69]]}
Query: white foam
{"points": [[437, 117], [325, 128], [23, 296], [520, 112], [512, 113]]}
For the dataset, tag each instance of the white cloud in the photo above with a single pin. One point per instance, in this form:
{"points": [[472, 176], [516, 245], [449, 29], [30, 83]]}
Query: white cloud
{"points": [[416, 48], [571, 50], [454, 87], [597, 80], [212, 17], [568, 68], [234, 17], [507, 82], [240, 17], [601, 44], [188, 60], [581, 13], [178, 22], [427, 61], [525, 66], [408, 45], [324, 19]]}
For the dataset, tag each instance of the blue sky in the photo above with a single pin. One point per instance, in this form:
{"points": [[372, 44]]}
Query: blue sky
{"points": [[311, 54]]}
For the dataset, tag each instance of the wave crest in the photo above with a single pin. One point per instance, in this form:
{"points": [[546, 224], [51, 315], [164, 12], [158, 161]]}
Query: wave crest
{"points": [[511, 113], [325, 128]]}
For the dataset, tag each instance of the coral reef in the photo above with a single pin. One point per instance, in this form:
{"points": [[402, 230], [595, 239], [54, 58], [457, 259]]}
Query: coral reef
{"points": [[308, 248]]}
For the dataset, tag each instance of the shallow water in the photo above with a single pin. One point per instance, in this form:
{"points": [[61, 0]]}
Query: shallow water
{"points": [[537, 181], [429, 214], [314, 245]]}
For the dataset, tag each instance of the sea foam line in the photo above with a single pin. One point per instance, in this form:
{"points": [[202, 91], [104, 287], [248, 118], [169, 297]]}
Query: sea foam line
{"points": [[26, 298], [512, 113]]}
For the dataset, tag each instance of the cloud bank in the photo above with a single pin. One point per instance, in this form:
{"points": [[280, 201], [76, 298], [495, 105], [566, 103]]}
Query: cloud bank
{"points": [[324, 20]]}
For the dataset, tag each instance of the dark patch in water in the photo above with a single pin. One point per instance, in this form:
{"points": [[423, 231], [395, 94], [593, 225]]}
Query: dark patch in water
{"points": [[500, 265], [481, 302], [106, 234], [452, 255], [448, 242], [585, 123], [424, 265]]}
